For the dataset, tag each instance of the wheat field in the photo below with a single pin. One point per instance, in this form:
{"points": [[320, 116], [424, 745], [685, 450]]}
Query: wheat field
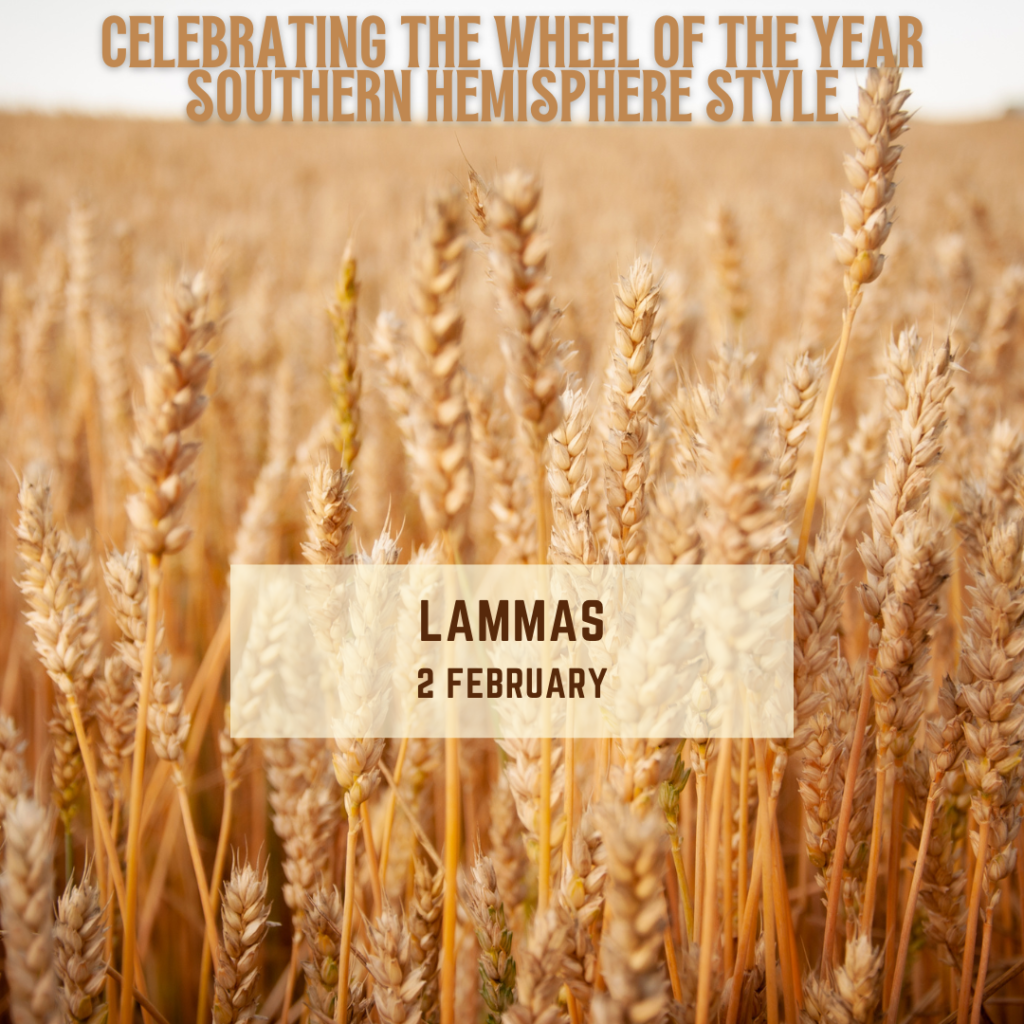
{"points": [[270, 344]]}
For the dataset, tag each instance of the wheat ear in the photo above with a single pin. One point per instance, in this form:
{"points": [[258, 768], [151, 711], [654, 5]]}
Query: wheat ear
{"points": [[633, 941], [63, 620], [425, 919], [880, 120], [13, 775], [629, 381], [398, 982], [519, 262], [480, 896], [345, 377], [79, 937]]}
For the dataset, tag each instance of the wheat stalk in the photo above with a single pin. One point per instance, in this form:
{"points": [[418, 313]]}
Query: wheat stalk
{"points": [[232, 759], [398, 982], [345, 377]]}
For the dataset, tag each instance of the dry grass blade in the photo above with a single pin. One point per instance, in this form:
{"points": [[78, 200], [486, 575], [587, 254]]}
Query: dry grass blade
{"points": [[13, 776], [572, 538], [345, 376]]}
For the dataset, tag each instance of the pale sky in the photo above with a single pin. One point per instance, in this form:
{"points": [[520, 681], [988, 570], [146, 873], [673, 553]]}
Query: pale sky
{"points": [[52, 59]]}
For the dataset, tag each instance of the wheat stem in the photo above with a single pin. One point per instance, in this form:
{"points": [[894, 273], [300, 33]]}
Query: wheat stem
{"points": [[867, 914], [371, 856], [764, 825], [108, 840], [289, 985], [684, 889], [843, 828], [341, 1012], [727, 868], [787, 949], [744, 803], [111, 914], [986, 949], [389, 813], [148, 1009], [908, 911], [710, 904], [673, 965], [569, 760], [1020, 885], [540, 499], [700, 866], [97, 840], [410, 814], [216, 876], [600, 984], [604, 756], [197, 862], [971, 937], [99, 816], [544, 832], [154, 893], [451, 868], [135, 792], [826, 414], [747, 926], [573, 1007]]}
